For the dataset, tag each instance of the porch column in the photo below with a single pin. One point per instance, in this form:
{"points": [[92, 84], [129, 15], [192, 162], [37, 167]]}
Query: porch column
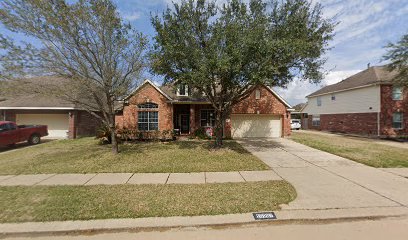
{"points": [[72, 124], [192, 118]]}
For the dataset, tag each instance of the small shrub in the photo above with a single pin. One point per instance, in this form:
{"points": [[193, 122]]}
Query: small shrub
{"points": [[104, 135], [201, 134]]}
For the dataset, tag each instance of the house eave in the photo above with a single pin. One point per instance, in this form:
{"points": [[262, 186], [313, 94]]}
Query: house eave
{"points": [[37, 108], [279, 97], [151, 83], [189, 102], [343, 90]]}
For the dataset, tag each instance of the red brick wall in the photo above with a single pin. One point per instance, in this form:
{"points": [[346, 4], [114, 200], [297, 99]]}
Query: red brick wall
{"points": [[9, 116], [357, 123], [388, 107], [267, 104], [87, 124], [82, 124], [147, 93]]}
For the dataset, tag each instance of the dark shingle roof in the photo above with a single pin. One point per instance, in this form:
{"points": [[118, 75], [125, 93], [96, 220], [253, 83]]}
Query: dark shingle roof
{"points": [[170, 90], [33, 101], [30, 99], [372, 75]]}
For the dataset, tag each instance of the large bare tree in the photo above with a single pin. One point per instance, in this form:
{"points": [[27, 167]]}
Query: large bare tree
{"points": [[86, 43]]}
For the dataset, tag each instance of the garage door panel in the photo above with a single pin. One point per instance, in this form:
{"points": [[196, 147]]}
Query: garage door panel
{"points": [[57, 123], [256, 126]]}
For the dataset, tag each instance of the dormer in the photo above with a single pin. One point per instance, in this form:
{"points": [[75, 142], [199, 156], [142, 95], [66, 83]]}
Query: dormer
{"points": [[182, 90]]}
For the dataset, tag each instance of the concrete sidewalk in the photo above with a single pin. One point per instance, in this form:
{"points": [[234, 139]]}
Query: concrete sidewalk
{"points": [[326, 181], [147, 224], [136, 178]]}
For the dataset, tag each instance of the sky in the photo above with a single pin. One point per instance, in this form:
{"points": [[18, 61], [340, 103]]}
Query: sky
{"points": [[365, 27]]}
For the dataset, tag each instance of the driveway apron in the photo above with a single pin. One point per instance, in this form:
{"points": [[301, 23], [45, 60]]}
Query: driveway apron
{"points": [[326, 181]]}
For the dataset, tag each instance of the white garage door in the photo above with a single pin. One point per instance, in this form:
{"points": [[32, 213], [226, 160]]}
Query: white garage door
{"points": [[254, 125], [57, 123]]}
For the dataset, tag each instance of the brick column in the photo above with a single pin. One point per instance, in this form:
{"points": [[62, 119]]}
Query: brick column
{"points": [[73, 115], [192, 118]]}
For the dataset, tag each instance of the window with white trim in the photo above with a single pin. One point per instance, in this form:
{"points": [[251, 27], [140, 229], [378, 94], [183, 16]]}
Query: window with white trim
{"points": [[319, 101], [148, 117], [207, 118], [397, 122], [316, 120], [257, 94], [396, 93], [182, 90]]}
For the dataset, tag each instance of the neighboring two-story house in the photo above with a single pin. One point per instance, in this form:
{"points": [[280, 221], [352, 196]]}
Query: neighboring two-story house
{"points": [[152, 108], [366, 103]]}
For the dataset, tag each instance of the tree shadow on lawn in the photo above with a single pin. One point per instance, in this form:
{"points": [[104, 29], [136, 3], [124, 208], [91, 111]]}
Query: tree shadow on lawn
{"points": [[140, 147]]}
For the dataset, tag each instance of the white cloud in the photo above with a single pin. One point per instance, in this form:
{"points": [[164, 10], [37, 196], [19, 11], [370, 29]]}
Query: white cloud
{"points": [[131, 16]]}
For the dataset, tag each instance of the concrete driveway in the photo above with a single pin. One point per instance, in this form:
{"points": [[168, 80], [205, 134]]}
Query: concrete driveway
{"points": [[326, 181]]}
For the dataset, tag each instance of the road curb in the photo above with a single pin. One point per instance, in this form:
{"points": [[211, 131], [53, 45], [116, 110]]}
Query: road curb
{"points": [[162, 223]]}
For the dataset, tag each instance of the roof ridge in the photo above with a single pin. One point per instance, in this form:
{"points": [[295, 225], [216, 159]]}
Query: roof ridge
{"points": [[375, 68]]}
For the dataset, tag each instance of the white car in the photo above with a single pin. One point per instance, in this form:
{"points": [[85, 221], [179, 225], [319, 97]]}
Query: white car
{"points": [[295, 124]]}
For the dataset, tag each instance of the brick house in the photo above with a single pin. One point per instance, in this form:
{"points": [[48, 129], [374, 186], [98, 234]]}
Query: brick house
{"points": [[150, 108], [64, 120], [366, 103]]}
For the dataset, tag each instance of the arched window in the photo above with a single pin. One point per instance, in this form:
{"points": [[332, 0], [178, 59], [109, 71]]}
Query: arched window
{"points": [[148, 117], [148, 105]]}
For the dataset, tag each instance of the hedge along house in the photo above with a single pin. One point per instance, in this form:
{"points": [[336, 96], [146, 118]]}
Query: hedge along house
{"points": [[366, 103], [64, 119], [151, 108]]}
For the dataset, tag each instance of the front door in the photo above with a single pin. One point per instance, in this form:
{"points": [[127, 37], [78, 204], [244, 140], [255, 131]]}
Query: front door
{"points": [[184, 123]]}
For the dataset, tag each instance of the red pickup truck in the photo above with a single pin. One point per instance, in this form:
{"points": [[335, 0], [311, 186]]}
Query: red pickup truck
{"points": [[11, 134]]}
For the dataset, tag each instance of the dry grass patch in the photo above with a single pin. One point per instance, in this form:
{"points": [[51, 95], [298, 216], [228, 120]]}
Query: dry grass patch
{"points": [[357, 149], [40, 203], [87, 156]]}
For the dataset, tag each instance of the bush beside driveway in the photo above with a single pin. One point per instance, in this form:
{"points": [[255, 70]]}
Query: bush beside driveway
{"points": [[87, 156], [357, 149]]}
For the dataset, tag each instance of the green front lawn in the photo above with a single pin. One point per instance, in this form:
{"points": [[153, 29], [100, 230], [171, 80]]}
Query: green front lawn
{"points": [[18, 204], [358, 149], [87, 156]]}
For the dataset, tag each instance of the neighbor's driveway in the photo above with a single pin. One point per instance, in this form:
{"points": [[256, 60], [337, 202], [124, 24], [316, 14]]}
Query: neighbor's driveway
{"points": [[323, 180]]}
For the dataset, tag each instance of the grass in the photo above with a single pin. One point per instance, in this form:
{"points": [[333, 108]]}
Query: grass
{"points": [[87, 156], [358, 149], [58, 203]]}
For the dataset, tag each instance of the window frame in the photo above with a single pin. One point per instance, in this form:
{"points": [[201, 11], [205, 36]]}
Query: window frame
{"points": [[186, 90], [257, 94], [148, 108], [207, 120], [315, 123], [401, 122], [401, 95], [333, 97], [319, 101]]}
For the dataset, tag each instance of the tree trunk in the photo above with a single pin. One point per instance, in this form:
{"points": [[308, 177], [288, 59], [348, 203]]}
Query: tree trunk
{"points": [[114, 141], [218, 128]]}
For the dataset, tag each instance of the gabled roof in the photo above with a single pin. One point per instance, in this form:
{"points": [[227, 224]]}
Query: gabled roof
{"points": [[279, 97], [169, 92], [370, 76], [147, 81]]}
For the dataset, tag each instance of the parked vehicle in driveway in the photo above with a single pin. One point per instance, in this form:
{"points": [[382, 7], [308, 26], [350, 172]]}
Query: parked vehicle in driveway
{"points": [[11, 133], [295, 124]]}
